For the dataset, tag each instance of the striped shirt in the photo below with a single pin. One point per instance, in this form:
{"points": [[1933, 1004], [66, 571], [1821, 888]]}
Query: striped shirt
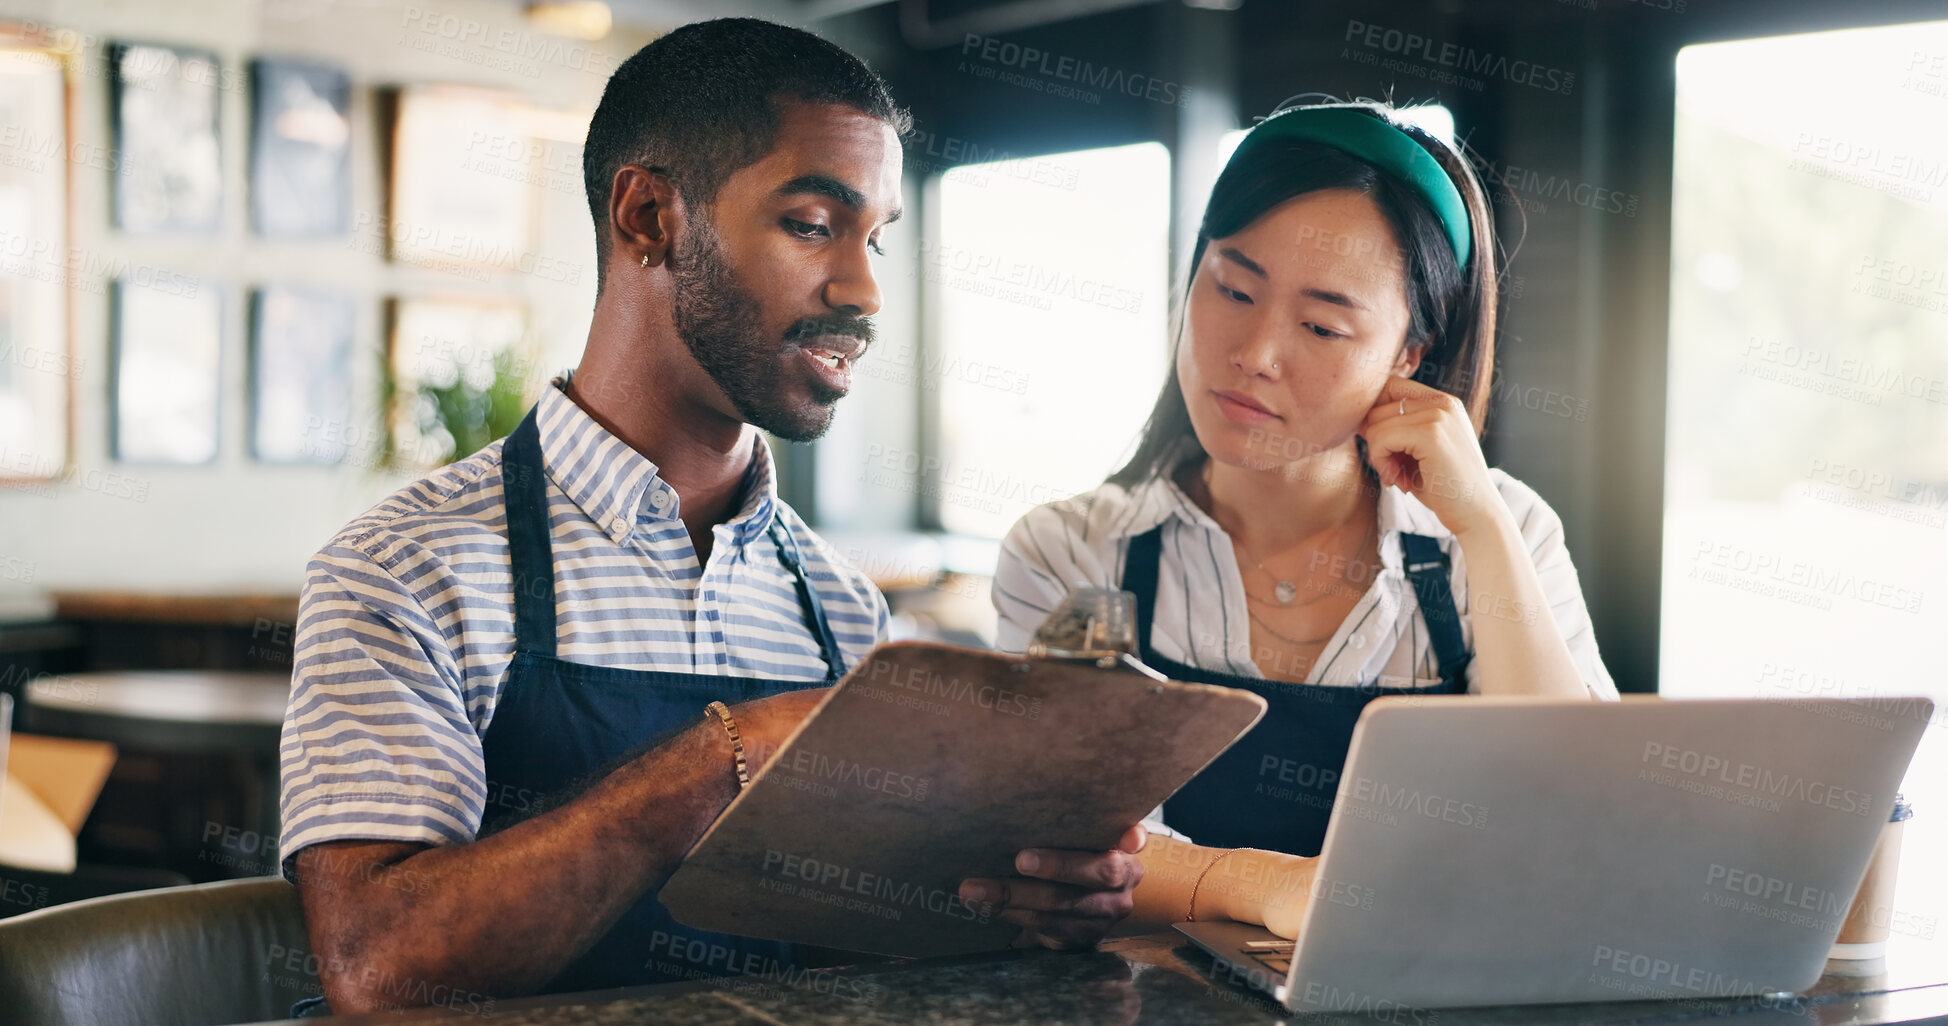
{"points": [[1200, 615], [406, 624]]}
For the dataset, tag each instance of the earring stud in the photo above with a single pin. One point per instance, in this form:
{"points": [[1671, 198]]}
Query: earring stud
{"points": [[645, 259]]}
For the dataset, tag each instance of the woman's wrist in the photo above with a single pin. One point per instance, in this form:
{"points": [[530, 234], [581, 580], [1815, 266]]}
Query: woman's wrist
{"points": [[1494, 533], [1252, 884], [1208, 900]]}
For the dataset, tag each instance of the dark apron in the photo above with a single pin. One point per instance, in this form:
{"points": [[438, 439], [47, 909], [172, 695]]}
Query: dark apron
{"points": [[1274, 788], [560, 726]]}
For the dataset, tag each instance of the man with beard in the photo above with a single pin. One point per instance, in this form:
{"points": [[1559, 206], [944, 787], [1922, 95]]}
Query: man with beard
{"points": [[527, 683]]}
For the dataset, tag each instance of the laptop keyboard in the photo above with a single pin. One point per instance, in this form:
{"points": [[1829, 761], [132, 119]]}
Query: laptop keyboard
{"points": [[1275, 955]]}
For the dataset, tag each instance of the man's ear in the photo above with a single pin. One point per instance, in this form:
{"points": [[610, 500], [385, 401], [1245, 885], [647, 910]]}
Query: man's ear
{"points": [[1409, 361], [645, 213]]}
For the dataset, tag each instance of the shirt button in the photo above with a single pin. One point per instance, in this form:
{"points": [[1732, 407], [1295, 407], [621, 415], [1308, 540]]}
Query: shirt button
{"points": [[618, 525], [659, 499]]}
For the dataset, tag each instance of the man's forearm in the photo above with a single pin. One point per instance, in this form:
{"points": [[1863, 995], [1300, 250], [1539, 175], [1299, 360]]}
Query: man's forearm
{"points": [[504, 914]]}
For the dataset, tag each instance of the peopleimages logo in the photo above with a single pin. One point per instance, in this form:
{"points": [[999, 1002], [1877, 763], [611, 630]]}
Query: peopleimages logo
{"points": [[885, 673], [698, 958], [1703, 767], [1068, 69], [1327, 998], [1433, 806], [1414, 46], [845, 881], [1565, 188], [819, 767], [1653, 970], [1776, 890]]}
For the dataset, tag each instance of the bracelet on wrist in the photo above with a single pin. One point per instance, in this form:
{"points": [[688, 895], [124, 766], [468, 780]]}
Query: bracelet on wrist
{"points": [[1190, 913], [722, 713]]}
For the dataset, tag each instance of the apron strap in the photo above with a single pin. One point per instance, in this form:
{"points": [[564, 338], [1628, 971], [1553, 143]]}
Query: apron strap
{"points": [[808, 598], [1427, 569], [524, 488], [1140, 579], [531, 556]]}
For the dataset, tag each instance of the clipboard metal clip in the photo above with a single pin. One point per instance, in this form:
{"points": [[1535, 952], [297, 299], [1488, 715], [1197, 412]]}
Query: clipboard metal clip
{"points": [[1094, 625]]}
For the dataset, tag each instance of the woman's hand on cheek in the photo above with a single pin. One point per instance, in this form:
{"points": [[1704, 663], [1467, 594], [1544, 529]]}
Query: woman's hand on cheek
{"points": [[1430, 452]]}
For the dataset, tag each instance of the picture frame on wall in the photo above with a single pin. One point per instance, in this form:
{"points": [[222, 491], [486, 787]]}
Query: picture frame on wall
{"points": [[300, 375], [456, 377], [38, 369], [300, 149], [166, 366], [164, 109], [454, 203]]}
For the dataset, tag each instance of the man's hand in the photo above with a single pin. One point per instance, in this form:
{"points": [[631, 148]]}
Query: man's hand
{"points": [[1064, 898]]}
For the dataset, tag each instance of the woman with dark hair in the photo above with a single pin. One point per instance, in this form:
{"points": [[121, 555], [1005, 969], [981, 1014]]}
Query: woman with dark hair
{"points": [[1308, 514]]}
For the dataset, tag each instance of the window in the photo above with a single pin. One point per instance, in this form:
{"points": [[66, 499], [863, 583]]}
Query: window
{"points": [[1047, 293], [1806, 488]]}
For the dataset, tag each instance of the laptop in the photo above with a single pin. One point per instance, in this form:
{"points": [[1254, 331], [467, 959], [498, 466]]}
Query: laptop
{"points": [[1513, 850], [6, 731], [6, 728]]}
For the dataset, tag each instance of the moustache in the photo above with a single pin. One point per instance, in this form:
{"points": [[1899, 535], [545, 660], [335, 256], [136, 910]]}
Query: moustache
{"points": [[816, 327]]}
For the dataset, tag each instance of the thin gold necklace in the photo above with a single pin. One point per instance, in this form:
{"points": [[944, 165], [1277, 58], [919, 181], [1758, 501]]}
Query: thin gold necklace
{"points": [[1288, 639], [1282, 590], [1285, 591]]}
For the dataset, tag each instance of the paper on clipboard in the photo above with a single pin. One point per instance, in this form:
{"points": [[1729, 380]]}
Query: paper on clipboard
{"points": [[929, 764]]}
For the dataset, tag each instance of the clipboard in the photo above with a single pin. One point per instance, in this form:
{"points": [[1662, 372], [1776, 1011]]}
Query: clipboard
{"points": [[932, 763]]}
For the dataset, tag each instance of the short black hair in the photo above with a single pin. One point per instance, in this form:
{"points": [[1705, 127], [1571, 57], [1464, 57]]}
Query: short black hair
{"points": [[701, 102]]}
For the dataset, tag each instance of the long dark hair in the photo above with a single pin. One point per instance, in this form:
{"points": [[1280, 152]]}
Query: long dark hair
{"points": [[1450, 311]]}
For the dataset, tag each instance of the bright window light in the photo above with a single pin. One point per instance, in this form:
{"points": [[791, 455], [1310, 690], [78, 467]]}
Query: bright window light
{"points": [[1806, 478], [1047, 282]]}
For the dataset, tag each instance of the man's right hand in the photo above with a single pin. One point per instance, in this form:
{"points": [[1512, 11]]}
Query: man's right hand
{"points": [[619, 839]]}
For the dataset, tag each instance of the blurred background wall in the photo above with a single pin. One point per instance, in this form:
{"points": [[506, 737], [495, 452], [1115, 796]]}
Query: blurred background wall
{"points": [[265, 261], [1571, 104], [236, 522]]}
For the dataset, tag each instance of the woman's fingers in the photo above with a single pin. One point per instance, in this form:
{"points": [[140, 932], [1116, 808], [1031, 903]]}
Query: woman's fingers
{"points": [[1429, 451], [1397, 446], [1398, 388], [1402, 397], [1404, 430]]}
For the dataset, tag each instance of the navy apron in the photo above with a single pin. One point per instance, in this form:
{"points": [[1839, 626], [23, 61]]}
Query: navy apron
{"points": [[1274, 788], [560, 726]]}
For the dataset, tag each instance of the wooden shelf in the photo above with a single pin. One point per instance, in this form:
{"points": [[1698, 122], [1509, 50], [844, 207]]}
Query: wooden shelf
{"points": [[244, 609]]}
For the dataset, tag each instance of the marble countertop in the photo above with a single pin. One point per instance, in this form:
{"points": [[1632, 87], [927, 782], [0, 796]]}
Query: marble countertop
{"points": [[1159, 978]]}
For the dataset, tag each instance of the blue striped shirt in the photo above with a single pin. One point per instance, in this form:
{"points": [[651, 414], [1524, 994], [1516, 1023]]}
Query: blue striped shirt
{"points": [[406, 623]]}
